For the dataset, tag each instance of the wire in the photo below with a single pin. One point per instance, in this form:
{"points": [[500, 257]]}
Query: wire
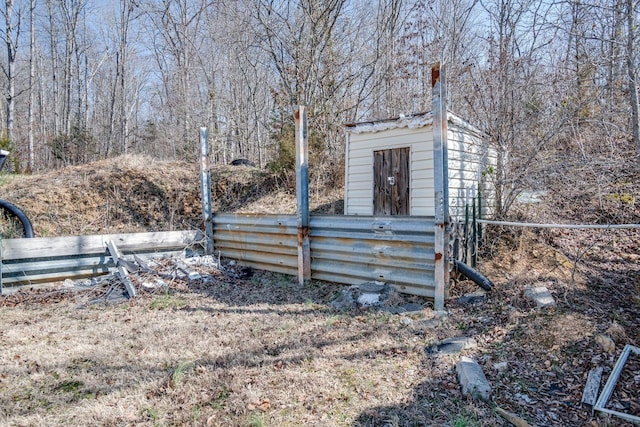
{"points": [[576, 226]]}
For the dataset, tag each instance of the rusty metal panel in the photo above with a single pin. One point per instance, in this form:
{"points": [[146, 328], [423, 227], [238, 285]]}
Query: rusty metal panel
{"points": [[355, 250]]}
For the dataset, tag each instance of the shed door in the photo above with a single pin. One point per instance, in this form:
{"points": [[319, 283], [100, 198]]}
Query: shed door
{"points": [[391, 182]]}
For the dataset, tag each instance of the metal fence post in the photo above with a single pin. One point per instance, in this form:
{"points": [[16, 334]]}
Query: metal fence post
{"points": [[205, 190], [441, 185], [302, 195]]}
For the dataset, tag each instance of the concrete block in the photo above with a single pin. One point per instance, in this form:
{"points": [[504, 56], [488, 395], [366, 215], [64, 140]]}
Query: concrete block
{"points": [[472, 379], [590, 393]]}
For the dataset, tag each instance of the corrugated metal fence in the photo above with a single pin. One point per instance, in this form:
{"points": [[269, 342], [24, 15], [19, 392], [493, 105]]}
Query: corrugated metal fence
{"points": [[344, 249]]}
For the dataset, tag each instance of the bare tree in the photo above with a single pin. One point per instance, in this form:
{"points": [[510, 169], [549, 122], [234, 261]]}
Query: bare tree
{"points": [[32, 88], [11, 37]]}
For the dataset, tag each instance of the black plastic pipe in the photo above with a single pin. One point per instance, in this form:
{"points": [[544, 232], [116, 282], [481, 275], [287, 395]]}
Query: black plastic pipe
{"points": [[473, 275], [22, 217]]}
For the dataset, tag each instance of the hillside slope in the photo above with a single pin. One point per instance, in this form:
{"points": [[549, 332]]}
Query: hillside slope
{"points": [[137, 193]]}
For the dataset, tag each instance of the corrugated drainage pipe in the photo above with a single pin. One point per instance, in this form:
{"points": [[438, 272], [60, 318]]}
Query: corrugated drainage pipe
{"points": [[473, 275]]}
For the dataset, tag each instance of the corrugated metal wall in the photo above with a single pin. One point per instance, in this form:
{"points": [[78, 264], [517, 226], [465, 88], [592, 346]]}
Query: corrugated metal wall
{"points": [[266, 242], [344, 249]]}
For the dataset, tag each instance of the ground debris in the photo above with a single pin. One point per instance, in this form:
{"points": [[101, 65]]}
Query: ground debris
{"points": [[148, 276]]}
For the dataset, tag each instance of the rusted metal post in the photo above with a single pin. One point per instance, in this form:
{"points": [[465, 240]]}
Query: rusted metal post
{"points": [[302, 195], [441, 185], [205, 190]]}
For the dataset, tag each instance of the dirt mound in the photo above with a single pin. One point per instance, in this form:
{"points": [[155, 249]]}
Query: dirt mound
{"points": [[132, 194]]}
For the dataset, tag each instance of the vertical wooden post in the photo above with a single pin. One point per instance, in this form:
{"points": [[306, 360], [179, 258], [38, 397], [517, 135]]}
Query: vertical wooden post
{"points": [[205, 190], [441, 185], [302, 195]]}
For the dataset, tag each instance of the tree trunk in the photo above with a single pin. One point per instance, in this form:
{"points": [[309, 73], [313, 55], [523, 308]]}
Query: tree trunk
{"points": [[32, 82], [631, 72], [11, 66]]}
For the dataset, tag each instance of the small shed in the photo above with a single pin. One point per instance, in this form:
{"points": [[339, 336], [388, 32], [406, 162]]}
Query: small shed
{"points": [[390, 166]]}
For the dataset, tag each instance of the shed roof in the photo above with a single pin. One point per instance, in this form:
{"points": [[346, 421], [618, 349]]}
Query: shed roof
{"points": [[412, 121]]}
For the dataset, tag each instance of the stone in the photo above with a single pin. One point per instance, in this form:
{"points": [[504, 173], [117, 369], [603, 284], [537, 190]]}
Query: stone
{"points": [[501, 366], [540, 295], [427, 324], [372, 287], [473, 298], [369, 298], [406, 308], [194, 275], [606, 343], [453, 345], [472, 379]]}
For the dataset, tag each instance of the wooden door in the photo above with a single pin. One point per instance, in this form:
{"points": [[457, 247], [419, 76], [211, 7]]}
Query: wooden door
{"points": [[391, 182]]}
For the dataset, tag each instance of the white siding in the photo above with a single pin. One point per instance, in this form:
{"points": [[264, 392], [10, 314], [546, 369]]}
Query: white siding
{"points": [[359, 173], [469, 159]]}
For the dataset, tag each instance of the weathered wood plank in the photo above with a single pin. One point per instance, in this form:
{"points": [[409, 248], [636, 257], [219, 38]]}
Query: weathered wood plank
{"points": [[78, 245]]}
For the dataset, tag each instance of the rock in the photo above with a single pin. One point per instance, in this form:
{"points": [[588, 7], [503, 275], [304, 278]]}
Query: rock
{"points": [[406, 308], [369, 298], [372, 287], [406, 320], [473, 298], [606, 343], [68, 283], [501, 366], [472, 379], [427, 324], [453, 345], [157, 283], [343, 301], [540, 295]]}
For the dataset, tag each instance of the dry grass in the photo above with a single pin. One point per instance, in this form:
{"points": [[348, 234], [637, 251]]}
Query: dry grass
{"points": [[262, 352]]}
